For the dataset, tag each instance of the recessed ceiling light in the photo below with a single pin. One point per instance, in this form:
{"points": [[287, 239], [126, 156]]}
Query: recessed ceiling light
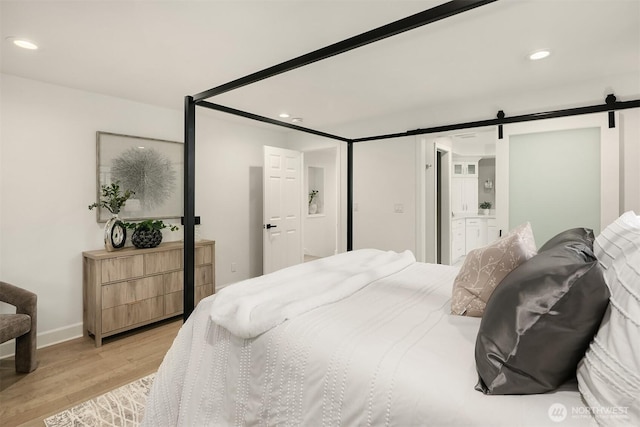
{"points": [[297, 120], [539, 54], [25, 44], [284, 115]]}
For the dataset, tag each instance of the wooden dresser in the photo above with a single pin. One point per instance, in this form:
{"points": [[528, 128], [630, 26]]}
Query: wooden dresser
{"points": [[133, 287]]}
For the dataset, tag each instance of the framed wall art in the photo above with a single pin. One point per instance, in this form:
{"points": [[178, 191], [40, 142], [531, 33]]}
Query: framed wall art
{"points": [[152, 168]]}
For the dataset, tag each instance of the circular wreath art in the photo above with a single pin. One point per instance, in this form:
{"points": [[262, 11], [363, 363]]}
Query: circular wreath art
{"points": [[147, 172]]}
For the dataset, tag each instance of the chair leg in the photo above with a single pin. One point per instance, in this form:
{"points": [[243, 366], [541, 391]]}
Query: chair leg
{"points": [[26, 360]]}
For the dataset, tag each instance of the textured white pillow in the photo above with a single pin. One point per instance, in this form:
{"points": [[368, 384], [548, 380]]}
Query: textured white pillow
{"points": [[609, 374], [484, 268]]}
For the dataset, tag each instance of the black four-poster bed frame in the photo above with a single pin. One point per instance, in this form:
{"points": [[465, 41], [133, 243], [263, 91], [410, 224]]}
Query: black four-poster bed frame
{"points": [[414, 21]]}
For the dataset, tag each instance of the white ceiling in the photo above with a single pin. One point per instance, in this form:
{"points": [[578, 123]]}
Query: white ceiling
{"points": [[157, 52]]}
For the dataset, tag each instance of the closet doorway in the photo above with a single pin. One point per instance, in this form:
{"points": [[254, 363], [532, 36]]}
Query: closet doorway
{"points": [[434, 227]]}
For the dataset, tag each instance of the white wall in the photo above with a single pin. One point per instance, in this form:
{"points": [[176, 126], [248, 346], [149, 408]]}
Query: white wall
{"points": [[384, 177], [47, 180]]}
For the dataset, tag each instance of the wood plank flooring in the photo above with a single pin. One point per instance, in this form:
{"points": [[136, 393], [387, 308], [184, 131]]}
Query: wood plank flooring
{"points": [[74, 371]]}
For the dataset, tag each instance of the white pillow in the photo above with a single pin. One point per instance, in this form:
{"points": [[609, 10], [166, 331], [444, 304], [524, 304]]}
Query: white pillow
{"points": [[609, 374]]}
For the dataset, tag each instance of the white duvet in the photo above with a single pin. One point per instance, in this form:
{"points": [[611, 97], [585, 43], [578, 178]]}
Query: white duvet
{"points": [[390, 354], [252, 307]]}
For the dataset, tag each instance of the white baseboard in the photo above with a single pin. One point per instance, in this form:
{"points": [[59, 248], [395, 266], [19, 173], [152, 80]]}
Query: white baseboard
{"points": [[45, 339]]}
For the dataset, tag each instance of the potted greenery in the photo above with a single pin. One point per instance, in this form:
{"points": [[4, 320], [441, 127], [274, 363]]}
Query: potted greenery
{"points": [[485, 206], [147, 233], [313, 206], [113, 200]]}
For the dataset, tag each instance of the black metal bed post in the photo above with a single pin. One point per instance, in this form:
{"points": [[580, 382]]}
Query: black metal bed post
{"points": [[189, 206], [349, 196]]}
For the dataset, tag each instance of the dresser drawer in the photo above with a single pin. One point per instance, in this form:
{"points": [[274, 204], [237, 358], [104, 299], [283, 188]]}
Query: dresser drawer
{"points": [[160, 262], [131, 291], [204, 255], [126, 316], [122, 268], [204, 275]]}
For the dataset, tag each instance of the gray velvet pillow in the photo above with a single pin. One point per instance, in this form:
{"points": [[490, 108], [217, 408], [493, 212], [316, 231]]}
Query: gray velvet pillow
{"points": [[541, 318]]}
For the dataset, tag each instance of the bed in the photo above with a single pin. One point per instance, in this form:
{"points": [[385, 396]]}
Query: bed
{"points": [[364, 341]]}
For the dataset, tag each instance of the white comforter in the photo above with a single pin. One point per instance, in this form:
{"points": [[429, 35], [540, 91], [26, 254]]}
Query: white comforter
{"points": [[390, 354], [252, 307]]}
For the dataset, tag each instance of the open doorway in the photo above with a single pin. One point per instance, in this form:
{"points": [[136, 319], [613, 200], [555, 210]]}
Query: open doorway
{"points": [[450, 186], [434, 204]]}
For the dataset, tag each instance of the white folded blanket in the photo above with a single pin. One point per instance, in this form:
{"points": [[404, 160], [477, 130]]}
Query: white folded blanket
{"points": [[252, 307]]}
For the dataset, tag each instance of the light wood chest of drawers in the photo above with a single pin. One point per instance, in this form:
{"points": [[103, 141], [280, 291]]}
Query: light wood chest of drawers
{"points": [[133, 287]]}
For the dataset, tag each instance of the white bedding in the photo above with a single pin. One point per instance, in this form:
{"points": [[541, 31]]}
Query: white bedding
{"points": [[390, 354], [252, 307]]}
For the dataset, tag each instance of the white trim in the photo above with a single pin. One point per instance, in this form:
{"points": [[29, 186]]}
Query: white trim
{"points": [[421, 219], [45, 339]]}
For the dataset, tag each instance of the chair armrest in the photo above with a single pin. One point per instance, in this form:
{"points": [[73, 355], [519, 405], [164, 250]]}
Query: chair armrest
{"points": [[26, 302]]}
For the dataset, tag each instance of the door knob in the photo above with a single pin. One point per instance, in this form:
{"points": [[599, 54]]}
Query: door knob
{"points": [[268, 226]]}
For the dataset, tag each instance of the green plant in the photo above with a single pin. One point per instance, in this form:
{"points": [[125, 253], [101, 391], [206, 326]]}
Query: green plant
{"points": [[112, 199], [312, 195], [485, 205], [149, 225]]}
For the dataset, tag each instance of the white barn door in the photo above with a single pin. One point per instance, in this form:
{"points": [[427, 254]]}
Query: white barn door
{"points": [[282, 209], [557, 174]]}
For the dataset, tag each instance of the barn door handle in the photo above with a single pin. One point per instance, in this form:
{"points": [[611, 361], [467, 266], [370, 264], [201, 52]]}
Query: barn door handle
{"points": [[268, 226]]}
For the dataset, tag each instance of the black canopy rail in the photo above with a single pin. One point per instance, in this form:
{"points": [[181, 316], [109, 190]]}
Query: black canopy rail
{"points": [[414, 21], [264, 119], [501, 119], [400, 26]]}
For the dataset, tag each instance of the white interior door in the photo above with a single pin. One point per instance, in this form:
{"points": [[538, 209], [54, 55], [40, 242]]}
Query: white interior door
{"points": [[282, 209]]}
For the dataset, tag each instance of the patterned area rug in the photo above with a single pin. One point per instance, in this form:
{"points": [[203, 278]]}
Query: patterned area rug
{"points": [[121, 407]]}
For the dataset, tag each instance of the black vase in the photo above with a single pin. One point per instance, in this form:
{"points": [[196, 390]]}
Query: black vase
{"points": [[146, 238]]}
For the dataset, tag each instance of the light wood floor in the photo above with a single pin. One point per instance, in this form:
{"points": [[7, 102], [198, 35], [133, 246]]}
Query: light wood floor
{"points": [[74, 371]]}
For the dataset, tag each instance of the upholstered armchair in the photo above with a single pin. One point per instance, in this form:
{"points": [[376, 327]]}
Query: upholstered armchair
{"points": [[21, 326]]}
